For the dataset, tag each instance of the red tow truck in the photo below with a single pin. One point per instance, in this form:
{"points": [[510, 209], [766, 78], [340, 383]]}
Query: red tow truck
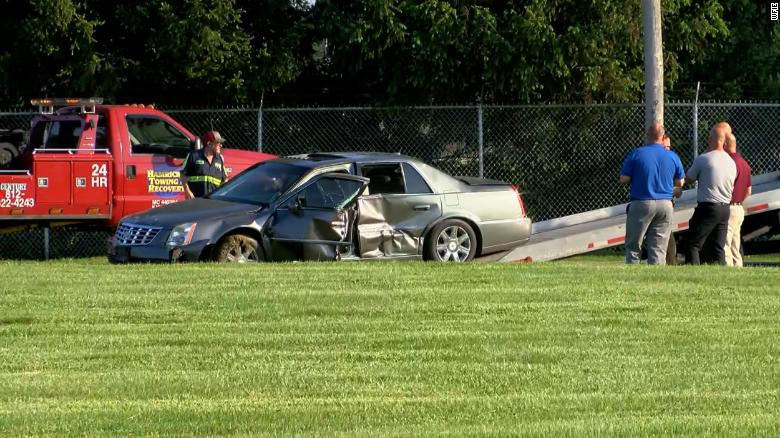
{"points": [[91, 164]]}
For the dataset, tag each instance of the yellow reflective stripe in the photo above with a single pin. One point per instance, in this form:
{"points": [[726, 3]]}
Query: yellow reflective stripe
{"points": [[205, 178]]}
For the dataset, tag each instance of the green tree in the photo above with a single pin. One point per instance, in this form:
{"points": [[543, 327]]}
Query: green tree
{"points": [[185, 51], [280, 51], [743, 63], [171, 51], [49, 49], [402, 51], [200, 52]]}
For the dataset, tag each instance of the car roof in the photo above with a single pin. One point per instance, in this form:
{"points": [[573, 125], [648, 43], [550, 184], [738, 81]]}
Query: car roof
{"points": [[438, 179], [325, 158]]}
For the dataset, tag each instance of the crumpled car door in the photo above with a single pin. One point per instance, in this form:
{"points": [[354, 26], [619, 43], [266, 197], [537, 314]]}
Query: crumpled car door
{"points": [[313, 223], [392, 225]]}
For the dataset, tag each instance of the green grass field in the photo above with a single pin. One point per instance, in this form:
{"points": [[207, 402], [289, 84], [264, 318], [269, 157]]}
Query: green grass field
{"points": [[615, 255], [587, 347]]}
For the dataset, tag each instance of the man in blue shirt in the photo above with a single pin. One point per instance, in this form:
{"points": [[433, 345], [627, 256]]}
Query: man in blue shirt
{"points": [[656, 175]]}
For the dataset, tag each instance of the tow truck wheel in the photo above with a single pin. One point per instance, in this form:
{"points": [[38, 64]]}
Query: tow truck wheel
{"points": [[451, 241], [237, 248], [671, 251], [7, 153]]}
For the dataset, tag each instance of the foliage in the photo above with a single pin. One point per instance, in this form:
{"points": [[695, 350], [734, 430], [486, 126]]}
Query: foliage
{"points": [[744, 62], [520, 52], [278, 38], [379, 51], [181, 51], [50, 47]]}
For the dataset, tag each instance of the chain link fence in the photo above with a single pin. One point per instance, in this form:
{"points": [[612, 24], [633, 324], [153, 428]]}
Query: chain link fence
{"points": [[565, 158]]}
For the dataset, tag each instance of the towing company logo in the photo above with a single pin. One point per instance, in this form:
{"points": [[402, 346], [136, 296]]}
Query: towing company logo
{"points": [[164, 182], [13, 187]]}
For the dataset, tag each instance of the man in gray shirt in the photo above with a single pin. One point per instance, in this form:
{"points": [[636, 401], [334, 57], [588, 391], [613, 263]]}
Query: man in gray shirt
{"points": [[716, 172]]}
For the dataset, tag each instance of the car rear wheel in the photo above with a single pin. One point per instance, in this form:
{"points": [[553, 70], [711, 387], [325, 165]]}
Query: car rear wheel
{"points": [[237, 248], [451, 241]]}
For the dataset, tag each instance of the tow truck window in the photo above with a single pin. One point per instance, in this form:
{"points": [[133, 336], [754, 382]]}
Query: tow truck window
{"points": [[150, 135], [64, 134], [57, 134], [101, 136]]}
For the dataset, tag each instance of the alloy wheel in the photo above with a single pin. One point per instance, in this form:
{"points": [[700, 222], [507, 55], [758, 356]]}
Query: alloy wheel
{"points": [[453, 244]]}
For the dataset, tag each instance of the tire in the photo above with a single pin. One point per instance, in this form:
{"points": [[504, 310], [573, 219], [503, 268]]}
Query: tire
{"points": [[452, 240], [7, 153], [237, 248], [681, 244], [671, 251]]}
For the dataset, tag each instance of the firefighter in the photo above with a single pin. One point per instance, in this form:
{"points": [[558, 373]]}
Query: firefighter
{"points": [[203, 169]]}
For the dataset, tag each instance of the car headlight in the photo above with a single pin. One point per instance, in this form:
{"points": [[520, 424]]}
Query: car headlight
{"points": [[181, 234]]}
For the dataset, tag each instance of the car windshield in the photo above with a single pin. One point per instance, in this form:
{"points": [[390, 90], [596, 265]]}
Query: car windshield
{"points": [[259, 185]]}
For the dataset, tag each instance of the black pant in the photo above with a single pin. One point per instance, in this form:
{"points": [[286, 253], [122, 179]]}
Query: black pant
{"points": [[709, 220]]}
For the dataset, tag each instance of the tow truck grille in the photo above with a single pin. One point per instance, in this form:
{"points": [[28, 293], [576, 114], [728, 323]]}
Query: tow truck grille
{"points": [[133, 234]]}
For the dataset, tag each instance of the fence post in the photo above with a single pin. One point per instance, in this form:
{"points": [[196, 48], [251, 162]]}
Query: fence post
{"points": [[481, 143], [260, 130], [696, 123], [46, 243]]}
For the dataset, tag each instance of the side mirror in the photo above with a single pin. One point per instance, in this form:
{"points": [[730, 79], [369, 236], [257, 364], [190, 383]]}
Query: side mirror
{"points": [[298, 204], [197, 144]]}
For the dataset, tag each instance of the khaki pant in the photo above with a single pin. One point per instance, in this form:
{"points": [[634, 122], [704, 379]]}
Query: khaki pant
{"points": [[733, 237]]}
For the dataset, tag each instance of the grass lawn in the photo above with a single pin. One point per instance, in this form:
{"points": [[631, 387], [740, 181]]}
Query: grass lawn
{"points": [[615, 255], [576, 348], [774, 258]]}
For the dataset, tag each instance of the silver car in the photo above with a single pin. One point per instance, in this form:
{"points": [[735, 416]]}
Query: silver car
{"points": [[334, 206]]}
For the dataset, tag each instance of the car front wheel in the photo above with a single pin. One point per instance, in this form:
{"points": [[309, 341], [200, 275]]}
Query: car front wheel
{"points": [[237, 248], [451, 241]]}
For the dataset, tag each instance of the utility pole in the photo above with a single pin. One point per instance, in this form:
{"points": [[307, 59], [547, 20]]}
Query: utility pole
{"points": [[654, 65]]}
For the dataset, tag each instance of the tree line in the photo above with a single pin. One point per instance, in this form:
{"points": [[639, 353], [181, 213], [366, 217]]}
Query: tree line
{"points": [[380, 52]]}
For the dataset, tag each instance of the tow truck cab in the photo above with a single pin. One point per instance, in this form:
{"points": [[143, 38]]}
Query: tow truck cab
{"points": [[93, 164]]}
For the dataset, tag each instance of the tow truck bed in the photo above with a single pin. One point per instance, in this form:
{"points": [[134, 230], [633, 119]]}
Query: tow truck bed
{"points": [[604, 228]]}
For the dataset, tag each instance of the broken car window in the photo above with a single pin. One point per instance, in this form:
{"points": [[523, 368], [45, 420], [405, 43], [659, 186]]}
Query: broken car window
{"points": [[259, 185], [385, 178], [329, 193]]}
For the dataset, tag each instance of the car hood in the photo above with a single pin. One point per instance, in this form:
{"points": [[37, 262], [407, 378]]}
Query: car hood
{"points": [[193, 210]]}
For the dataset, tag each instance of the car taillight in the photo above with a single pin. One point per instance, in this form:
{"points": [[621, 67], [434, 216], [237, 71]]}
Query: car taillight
{"points": [[519, 199]]}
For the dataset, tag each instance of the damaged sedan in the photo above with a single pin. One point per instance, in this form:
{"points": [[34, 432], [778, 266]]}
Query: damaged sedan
{"points": [[334, 206]]}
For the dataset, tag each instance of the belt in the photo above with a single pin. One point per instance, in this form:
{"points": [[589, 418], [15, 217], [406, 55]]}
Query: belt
{"points": [[714, 203], [736, 203]]}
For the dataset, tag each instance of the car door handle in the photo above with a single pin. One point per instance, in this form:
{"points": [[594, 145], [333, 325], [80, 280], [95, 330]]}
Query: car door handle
{"points": [[130, 171], [422, 207]]}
